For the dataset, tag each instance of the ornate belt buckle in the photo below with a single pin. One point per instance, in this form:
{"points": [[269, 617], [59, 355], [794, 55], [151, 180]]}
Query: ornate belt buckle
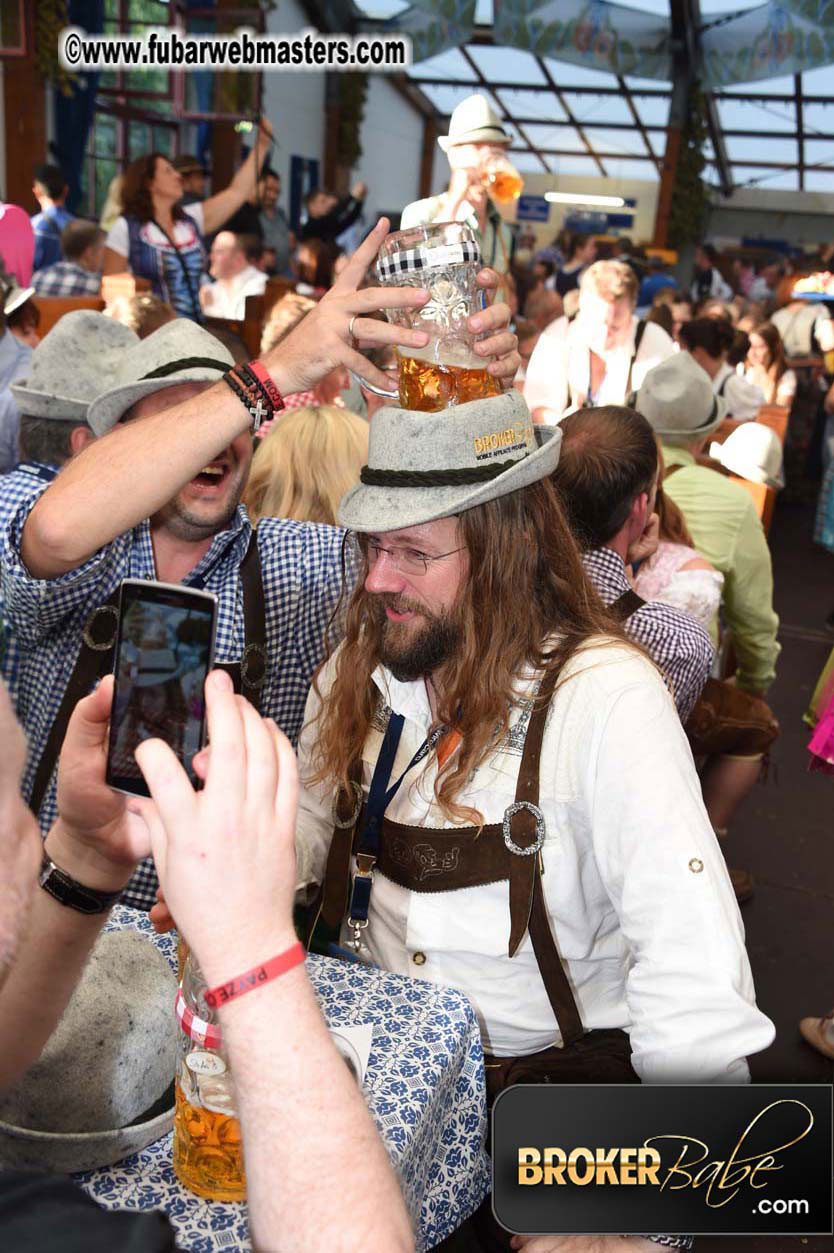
{"points": [[357, 805], [508, 839], [250, 652], [87, 633]]}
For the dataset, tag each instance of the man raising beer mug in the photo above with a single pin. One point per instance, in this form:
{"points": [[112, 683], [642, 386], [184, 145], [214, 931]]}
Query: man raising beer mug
{"points": [[476, 147]]}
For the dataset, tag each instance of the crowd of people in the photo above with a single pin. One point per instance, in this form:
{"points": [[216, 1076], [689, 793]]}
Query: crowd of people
{"points": [[557, 656]]}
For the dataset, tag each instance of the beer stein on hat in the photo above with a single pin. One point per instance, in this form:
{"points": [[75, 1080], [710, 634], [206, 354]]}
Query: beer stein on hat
{"points": [[444, 258]]}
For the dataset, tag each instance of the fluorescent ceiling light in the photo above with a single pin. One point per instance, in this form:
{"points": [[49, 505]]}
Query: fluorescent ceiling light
{"points": [[568, 197]]}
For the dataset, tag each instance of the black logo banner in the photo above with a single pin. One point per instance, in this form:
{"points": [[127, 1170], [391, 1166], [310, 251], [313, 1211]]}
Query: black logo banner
{"points": [[698, 1159]]}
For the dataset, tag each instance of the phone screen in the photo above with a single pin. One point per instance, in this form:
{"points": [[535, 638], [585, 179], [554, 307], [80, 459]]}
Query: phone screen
{"points": [[164, 652]]}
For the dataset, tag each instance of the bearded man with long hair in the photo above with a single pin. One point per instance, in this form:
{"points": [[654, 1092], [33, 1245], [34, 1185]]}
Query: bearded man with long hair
{"points": [[512, 779]]}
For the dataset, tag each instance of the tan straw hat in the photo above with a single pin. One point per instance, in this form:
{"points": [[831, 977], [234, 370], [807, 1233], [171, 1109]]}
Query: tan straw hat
{"points": [[474, 121]]}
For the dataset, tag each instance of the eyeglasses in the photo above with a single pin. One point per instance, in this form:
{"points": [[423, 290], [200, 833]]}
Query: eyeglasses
{"points": [[406, 560]]}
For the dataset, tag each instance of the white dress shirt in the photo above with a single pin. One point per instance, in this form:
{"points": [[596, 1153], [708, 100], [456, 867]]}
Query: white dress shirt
{"points": [[227, 297], [642, 908], [559, 373], [744, 399]]}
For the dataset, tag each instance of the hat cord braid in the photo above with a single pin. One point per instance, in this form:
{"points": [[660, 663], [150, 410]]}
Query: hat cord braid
{"points": [[434, 478]]}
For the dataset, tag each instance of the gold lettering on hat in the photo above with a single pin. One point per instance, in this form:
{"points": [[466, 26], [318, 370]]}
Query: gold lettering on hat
{"points": [[513, 438]]}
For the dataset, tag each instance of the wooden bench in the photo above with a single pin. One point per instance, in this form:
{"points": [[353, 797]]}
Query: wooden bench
{"points": [[258, 309], [51, 308]]}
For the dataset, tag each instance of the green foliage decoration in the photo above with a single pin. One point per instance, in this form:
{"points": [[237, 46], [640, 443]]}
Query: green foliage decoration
{"points": [[353, 92], [690, 201], [51, 16]]}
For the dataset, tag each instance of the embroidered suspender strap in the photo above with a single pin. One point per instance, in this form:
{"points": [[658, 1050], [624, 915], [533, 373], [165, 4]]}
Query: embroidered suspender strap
{"points": [[527, 903], [249, 674], [98, 641], [638, 339], [624, 606]]}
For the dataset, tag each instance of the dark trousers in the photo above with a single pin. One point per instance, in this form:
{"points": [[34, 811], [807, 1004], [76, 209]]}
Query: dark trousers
{"points": [[598, 1057]]}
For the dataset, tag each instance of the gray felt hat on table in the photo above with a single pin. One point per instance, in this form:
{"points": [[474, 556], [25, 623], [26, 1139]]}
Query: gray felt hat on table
{"points": [[423, 466], [677, 399], [98, 1092], [72, 365], [179, 352]]}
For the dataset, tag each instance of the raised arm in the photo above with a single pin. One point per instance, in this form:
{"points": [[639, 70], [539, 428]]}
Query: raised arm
{"points": [[220, 207], [131, 472], [298, 1102], [95, 843]]}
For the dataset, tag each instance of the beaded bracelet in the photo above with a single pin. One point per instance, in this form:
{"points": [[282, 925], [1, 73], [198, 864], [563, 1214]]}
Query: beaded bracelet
{"points": [[254, 388], [254, 978]]}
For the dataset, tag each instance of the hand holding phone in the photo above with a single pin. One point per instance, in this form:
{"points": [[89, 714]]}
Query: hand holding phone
{"points": [[164, 652]]}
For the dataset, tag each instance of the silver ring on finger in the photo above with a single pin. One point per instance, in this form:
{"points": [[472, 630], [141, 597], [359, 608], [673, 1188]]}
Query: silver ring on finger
{"points": [[350, 328]]}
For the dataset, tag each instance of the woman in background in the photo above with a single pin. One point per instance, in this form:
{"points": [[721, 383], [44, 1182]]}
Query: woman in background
{"points": [[306, 464], [766, 368], [676, 573], [157, 238]]}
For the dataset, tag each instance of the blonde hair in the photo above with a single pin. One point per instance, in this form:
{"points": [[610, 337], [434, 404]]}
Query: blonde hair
{"points": [[612, 280], [284, 316], [306, 464]]}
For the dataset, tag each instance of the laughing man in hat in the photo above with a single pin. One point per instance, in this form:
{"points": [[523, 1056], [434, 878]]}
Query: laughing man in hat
{"points": [[503, 764], [475, 134], [158, 497]]}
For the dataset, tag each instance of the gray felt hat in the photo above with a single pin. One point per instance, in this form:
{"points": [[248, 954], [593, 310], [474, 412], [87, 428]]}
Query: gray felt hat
{"points": [[179, 352], [423, 466], [101, 1087], [677, 399], [72, 365]]}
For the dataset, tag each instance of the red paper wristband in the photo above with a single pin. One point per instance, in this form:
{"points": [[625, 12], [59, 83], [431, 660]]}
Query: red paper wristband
{"points": [[264, 378], [254, 978]]}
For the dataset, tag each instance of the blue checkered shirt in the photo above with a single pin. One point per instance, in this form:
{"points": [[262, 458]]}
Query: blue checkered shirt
{"points": [[301, 566], [65, 278], [23, 483], [679, 645]]}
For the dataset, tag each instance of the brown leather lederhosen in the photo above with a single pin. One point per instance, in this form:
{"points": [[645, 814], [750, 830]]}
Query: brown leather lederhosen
{"points": [[98, 643], [423, 859]]}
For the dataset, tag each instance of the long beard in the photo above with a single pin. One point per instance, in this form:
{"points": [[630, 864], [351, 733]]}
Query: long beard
{"points": [[411, 653]]}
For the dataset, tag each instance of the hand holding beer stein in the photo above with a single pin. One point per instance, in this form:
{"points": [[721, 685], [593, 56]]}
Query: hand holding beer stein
{"points": [[444, 258]]}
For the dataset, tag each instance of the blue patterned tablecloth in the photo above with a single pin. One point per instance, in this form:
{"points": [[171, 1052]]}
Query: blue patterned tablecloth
{"points": [[424, 1087]]}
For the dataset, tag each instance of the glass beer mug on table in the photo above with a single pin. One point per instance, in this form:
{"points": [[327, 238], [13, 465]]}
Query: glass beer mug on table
{"points": [[208, 1146], [444, 258]]}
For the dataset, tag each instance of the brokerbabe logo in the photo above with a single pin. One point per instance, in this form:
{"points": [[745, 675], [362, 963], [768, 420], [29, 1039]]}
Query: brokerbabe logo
{"points": [[691, 1159]]}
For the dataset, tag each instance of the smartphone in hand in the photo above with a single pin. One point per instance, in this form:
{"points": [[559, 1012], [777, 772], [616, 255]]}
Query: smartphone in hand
{"points": [[164, 651]]}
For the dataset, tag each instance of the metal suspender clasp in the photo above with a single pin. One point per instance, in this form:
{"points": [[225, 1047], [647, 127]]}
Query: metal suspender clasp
{"points": [[360, 897]]}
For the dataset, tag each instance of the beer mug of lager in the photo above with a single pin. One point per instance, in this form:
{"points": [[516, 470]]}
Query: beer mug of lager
{"points": [[503, 181], [444, 258]]}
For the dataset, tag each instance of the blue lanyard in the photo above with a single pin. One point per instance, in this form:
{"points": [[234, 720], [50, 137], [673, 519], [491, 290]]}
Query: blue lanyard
{"points": [[380, 795]]}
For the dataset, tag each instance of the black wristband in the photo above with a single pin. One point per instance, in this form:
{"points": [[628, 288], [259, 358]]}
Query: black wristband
{"points": [[68, 891]]}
